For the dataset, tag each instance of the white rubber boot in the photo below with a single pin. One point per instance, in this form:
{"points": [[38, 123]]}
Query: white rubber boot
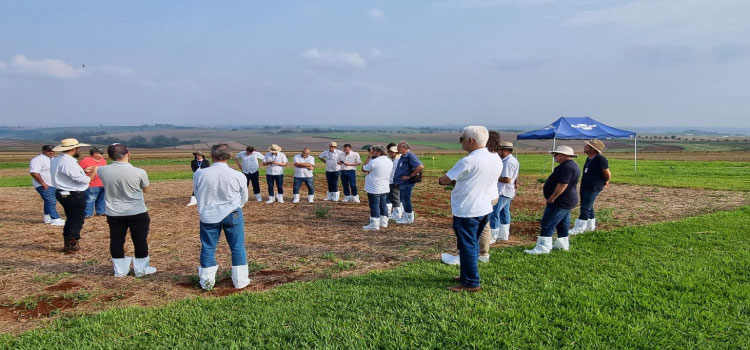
{"points": [[311, 198], [355, 199], [494, 233], [57, 222], [562, 243], [193, 201], [141, 268], [504, 233], [347, 199], [450, 259], [271, 199], [329, 196], [258, 197], [373, 226], [484, 258], [407, 218], [121, 266], [47, 219], [384, 222], [280, 198], [543, 246], [578, 227], [591, 225], [335, 196], [397, 213], [390, 210], [240, 276], [296, 198], [207, 276]]}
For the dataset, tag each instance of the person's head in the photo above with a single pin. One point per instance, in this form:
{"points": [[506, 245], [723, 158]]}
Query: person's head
{"points": [[563, 153], [96, 153], [198, 155], [506, 148], [70, 147], [377, 150], [403, 147], [593, 147], [48, 150], [347, 148], [118, 152], [493, 141], [473, 138], [250, 149], [306, 152], [332, 146], [220, 152], [392, 149]]}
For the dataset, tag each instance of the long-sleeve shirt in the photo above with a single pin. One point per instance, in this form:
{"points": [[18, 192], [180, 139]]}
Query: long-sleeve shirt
{"points": [[67, 175], [219, 191]]}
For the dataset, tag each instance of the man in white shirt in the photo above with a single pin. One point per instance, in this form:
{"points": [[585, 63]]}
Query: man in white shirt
{"points": [[221, 192], [42, 182], [275, 161], [349, 161], [304, 164], [71, 182], [395, 208], [475, 179], [506, 185], [247, 160], [333, 171], [378, 168]]}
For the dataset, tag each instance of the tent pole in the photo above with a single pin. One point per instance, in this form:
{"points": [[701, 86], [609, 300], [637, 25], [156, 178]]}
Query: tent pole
{"points": [[554, 144], [635, 154]]}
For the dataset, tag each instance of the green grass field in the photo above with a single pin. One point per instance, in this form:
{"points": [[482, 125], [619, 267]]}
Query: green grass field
{"points": [[677, 285]]}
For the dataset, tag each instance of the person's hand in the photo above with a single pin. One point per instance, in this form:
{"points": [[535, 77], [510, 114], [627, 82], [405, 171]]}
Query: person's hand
{"points": [[340, 163], [606, 184], [550, 200], [516, 185], [45, 186], [405, 177]]}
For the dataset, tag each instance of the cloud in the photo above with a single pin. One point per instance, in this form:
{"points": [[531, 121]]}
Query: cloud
{"points": [[726, 53], [50, 67], [332, 59], [375, 14], [658, 55], [3, 65]]}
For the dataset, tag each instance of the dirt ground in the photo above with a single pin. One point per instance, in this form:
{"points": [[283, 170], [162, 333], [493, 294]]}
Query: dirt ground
{"points": [[285, 243]]}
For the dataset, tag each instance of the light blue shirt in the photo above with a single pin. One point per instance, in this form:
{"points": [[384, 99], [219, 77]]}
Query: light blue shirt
{"points": [[219, 191]]}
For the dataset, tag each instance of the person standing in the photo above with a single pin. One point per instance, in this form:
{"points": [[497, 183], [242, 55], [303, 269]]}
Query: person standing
{"points": [[42, 182], [471, 200], [247, 160], [560, 193], [95, 193], [407, 170], [596, 176], [349, 161], [378, 168], [500, 219], [275, 161], [221, 193], [395, 209], [304, 164], [199, 162], [124, 186], [71, 182], [333, 171]]}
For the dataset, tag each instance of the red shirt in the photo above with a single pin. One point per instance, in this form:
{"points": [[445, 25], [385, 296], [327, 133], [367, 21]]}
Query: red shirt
{"points": [[89, 161]]}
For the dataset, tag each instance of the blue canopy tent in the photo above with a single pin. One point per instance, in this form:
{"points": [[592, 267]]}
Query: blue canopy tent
{"points": [[580, 128]]}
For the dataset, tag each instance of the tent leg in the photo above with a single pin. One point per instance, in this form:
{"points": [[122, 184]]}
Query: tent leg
{"points": [[554, 144], [635, 154]]}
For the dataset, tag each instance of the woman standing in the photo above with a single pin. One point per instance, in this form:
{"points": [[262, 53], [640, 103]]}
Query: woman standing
{"points": [[275, 161], [199, 162]]}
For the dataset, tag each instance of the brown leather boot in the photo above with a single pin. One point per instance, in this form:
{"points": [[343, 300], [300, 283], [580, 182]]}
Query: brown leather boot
{"points": [[71, 246]]}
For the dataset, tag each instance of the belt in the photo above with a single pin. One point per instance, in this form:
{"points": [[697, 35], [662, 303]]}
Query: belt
{"points": [[59, 190]]}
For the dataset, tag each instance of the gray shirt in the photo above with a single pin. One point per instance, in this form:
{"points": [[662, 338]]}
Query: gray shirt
{"points": [[123, 189]]}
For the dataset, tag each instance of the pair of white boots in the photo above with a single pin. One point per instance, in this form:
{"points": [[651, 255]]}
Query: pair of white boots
{"points": [[456, 259], [240, 276], [54, 222], [376, 224], [500, 234], [352, 199], [140, 266], [310, 198], [406, 219], [395, 213], [332, 196], [277, 198], [582, 226], [544, 245]]}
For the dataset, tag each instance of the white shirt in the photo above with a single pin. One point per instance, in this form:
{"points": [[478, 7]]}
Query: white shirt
{"points": [[303, 172], [219, 191], [40, 165], [249, 161], [510, 170], [476, 183], [393, 170], [376, 181], [67, 175], [352, 157], [275, 169], [331, 159]]}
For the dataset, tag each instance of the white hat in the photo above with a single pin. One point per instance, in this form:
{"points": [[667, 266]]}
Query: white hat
{"points": [[566, 150], [274, 148], [68, 144]]}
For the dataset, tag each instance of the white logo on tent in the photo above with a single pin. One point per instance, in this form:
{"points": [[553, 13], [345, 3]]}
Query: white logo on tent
{"points": [[583, 126]]}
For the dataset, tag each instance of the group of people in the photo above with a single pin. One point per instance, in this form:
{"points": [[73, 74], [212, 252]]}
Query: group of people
{"points": [[484, 184]]}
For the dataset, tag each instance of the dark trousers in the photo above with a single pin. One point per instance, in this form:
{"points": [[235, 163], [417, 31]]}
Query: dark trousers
{"points": [[254, 178], [555, 218], [394, 197], [467, 232], [349, 182], [279, 179], [587, 204], [377, 203], [332, 177], [308, 181], [118, 229], [74, 205]]}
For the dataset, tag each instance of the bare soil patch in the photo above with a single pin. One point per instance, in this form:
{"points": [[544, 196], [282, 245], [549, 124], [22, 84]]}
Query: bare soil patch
{"points": [[285, 243]]}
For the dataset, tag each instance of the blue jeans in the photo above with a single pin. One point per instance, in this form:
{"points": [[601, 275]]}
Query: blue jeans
{"points": [[94, 198], [553, 218], [467, 232], [377, 204], [349, 182], [587, 204], [332, 177], [254, 179], [234, 229], [279, 179], [308, 181], [404, 192], [500, 213], [48, 196]]}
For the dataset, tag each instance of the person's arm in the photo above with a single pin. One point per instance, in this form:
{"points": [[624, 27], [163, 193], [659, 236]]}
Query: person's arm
{"points": [[607, 176], [238, 160], [193, 165], [282, 163], [91, 171], [323, 155], [299, 164], [144, 182], [559, 189], [38, 178], [357, 160], [505, 180], [445, 180]]}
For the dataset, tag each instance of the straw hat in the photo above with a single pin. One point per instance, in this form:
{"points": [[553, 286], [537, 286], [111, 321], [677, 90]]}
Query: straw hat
{"points": [[199, 153], [566, 150], [68, 144], [507, 145], [333, 144], [274, 148], [595, 144], [393, 149]]}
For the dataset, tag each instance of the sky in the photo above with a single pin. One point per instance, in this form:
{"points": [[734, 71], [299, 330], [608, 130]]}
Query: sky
{"points": [[643, 63]]}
